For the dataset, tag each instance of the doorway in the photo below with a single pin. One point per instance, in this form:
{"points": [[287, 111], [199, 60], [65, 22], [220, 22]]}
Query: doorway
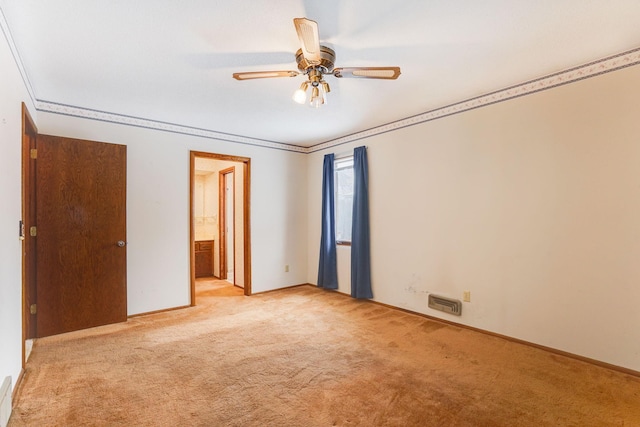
{"points": [[219, 216]]}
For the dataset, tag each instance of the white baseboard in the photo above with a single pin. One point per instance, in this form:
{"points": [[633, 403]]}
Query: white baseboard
{"points": [[5, 402]]}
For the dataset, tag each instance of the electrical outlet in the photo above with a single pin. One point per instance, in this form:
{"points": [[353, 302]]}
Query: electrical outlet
{"points": [[286, 268], [466, 296]]}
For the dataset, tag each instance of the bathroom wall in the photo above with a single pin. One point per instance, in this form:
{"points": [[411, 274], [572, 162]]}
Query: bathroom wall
{"points": [[205, 206]]}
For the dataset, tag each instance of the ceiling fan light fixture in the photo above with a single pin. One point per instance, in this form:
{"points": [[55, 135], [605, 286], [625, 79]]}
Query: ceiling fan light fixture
{"points": [[300, 95], [315, 61], [319, 90], [316, 98], [323, 94]]}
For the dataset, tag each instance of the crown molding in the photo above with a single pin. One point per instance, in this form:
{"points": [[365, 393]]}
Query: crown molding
{"points": [[16, 56], [104, 116], [592, 69]]}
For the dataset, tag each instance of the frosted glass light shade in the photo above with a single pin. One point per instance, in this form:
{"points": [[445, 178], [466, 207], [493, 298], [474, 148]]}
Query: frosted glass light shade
{"points": [[300, 96]]}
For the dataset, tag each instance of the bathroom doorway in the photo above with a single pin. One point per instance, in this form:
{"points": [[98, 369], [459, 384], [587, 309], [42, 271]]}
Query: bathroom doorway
{"points": [[219, 226]]}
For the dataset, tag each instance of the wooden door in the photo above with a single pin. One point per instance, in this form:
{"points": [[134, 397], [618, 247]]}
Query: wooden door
{"points": [[81, 234]]}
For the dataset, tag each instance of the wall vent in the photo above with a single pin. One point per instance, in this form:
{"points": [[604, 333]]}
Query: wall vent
{"points": [[448, 305], [5, 402]]}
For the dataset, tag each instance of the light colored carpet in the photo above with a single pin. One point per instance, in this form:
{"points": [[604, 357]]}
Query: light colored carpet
{"points": [[211, 287], [308, 357]]}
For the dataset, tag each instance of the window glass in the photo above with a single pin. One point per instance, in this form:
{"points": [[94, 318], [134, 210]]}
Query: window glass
{"points": [[343, 169]]}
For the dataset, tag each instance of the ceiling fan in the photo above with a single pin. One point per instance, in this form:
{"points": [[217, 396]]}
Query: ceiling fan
{"points": [[315, 61]]}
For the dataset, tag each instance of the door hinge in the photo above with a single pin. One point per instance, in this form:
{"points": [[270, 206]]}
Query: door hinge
{"points": [[33, 153], [32, 231], [33, 309]]}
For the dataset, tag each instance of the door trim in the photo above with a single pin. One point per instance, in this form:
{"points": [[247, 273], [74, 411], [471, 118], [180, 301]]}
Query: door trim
{"points": [[246, 216], [29, 134], [222, 215]]}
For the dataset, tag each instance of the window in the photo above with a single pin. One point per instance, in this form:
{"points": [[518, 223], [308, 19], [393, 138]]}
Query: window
{"points": [[343, 170]]}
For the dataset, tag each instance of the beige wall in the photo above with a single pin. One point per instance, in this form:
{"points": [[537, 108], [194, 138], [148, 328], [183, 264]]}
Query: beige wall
{"points": [[532, 204], [205, 204], [158, 220]]}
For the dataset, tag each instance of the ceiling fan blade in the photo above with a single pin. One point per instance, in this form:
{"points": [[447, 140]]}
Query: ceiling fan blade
{"points": [[309, 38], [390, 73], [263, 74]]}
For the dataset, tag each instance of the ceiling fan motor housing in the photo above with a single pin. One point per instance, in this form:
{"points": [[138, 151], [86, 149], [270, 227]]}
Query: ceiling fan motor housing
{"points": [[324, 65]]}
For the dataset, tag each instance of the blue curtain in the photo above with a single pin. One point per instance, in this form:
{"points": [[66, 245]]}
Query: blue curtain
{"points": [[360, 239], [328, 268]]}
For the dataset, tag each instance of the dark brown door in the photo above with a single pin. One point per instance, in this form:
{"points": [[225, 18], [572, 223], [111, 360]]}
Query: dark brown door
{"points": [[81, 234]]}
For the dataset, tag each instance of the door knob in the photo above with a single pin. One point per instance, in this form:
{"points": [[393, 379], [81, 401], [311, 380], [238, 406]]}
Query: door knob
{"points": [[121, 243]]}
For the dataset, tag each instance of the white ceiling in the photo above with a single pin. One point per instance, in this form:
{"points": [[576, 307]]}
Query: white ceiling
{"points": [[172, 61]]}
